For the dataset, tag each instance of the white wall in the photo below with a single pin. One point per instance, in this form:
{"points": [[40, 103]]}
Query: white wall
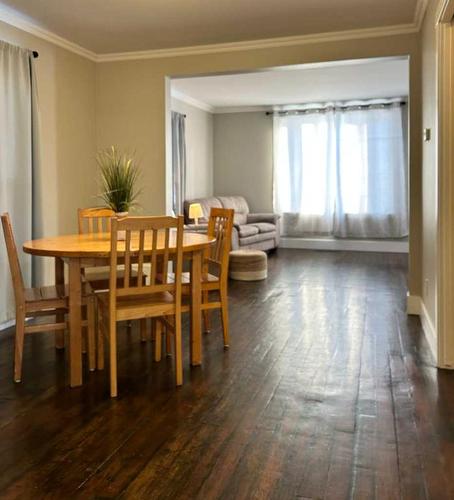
{"points": [[199, 149], [243, 158]]}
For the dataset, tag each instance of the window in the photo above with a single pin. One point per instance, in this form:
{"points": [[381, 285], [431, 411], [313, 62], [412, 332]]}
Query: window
{"points": [[341, 171]]}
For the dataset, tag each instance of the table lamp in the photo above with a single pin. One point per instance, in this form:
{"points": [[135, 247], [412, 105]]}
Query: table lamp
{"points": [[195, 212]]}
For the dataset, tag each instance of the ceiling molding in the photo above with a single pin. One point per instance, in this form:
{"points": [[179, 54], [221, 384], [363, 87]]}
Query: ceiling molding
{"points": [[224, 110], [14, 18], [420, 12], [445, 11], [334, 36], [260, 108], [191, 101], [10, 16]]}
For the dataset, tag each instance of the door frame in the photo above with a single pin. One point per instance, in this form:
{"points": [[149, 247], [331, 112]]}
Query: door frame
{"points": [[445, 184]]}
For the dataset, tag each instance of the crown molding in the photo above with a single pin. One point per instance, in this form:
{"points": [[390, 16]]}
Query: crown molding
{"points": [[13, 18], [221, 110], [334, 36], [445, 11], [225, 110], [420, 12], [176, 94]]}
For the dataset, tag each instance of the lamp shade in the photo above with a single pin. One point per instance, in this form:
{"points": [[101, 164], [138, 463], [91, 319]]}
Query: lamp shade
{"points": [[195, 211]]}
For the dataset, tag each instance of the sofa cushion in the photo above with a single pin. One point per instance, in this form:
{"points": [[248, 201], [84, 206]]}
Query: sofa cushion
{"points": [[206, 203], [257, 238], [263, 217], [265, 227], [239, 205], [246, 230]]}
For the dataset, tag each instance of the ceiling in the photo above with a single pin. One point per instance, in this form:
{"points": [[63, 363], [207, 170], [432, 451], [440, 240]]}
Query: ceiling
{"points": [[109, 26], [322, 82]]}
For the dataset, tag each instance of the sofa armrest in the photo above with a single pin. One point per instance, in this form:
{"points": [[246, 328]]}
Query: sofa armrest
{"points": [[271, 218], [235, 239]]}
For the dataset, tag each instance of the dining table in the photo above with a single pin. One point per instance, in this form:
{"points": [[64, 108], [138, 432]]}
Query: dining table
{"points": [[84, 250]]}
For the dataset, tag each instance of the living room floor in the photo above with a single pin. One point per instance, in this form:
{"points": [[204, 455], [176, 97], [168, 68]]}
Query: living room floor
{"points": [[328, 391]]}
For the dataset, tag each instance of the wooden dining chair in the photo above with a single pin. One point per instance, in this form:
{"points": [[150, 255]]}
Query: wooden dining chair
{"points": [[40, 302], [98, 220], [215, 274], [147, 238], [95, 220], [216, 268]]}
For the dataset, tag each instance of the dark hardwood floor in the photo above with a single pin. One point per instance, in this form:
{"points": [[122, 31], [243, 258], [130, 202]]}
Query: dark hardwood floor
{"points": [[328, 391]]}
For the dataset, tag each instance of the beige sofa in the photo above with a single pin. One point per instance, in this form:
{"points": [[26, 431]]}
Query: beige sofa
{"points": [[257, 231]]}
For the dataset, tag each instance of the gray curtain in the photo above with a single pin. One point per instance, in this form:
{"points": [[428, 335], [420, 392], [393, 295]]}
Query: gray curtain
{"points": [[18, 149], [178, 162]]}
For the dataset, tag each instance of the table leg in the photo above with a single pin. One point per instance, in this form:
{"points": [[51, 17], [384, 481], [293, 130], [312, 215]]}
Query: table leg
{"points": [[75, 323], [60, 317], [196, 299]]}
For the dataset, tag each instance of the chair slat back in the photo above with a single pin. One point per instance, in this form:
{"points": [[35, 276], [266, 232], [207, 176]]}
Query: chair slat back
{"points": [[13, 259], [220, 225], [95, 220], [146, 239]]}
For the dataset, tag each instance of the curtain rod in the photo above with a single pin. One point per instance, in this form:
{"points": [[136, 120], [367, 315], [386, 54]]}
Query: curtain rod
{"points": [[35, 54], [336, 108]]}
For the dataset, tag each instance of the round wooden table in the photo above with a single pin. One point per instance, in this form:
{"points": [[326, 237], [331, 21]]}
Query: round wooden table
{"points": [[94, 249]]}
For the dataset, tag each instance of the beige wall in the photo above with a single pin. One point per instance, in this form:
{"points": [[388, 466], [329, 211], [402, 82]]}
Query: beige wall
{"points": [[199, 149], [66, 92], [128, 100], [429, 163], [243, 158], [131, 107]]}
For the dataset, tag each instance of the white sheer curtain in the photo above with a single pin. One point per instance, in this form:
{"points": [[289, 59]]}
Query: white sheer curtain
{"points": [[18, 110], [342, 171], [304, 187]]}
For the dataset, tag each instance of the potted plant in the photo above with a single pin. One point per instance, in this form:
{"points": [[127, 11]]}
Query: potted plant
{"points": [[119, 175]]}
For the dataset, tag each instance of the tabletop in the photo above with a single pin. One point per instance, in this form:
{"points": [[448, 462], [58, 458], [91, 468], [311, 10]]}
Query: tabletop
{"points": [[98, 244]]}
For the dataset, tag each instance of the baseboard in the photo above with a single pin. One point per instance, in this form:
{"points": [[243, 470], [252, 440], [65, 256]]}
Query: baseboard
{"points": [[429, 330], [416, 306], [345, 245], [413, 305]]}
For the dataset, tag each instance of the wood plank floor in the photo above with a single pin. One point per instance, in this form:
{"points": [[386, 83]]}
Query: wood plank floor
{"points": [[328, 391]]}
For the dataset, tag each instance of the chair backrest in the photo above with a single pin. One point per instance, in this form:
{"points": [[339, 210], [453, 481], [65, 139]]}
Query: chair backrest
{"points": [[146, 239], [13, 259], [95, 220], [220, 226]]}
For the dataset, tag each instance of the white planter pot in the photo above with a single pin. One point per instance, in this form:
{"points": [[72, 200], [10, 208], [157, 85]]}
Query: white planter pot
{"points": [[121, 234]]}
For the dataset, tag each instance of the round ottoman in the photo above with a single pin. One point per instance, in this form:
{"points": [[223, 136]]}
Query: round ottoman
{"points": [[248, 265]]}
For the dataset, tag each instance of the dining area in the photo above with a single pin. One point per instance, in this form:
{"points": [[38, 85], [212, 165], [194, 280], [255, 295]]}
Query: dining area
{"points": [[176, 321], [123, 269]]}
